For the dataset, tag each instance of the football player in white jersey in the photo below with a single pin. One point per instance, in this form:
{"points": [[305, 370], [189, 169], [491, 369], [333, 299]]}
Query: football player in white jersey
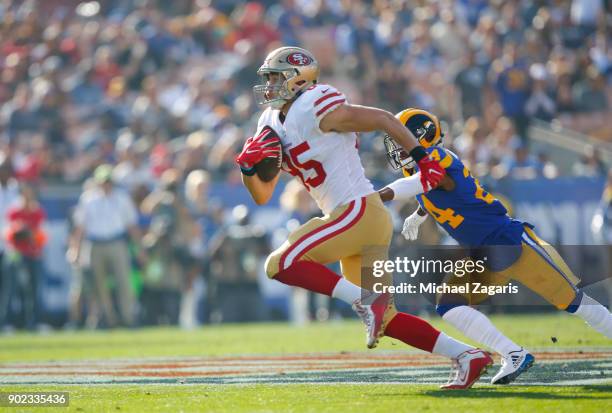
{"points": [[312, 128]]}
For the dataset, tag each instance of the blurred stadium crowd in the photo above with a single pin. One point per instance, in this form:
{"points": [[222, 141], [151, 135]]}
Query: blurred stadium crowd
{"points": [[157, 96]]}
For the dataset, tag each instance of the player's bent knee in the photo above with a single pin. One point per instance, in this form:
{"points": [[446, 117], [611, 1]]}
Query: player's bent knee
{"points": [[272, 264]]}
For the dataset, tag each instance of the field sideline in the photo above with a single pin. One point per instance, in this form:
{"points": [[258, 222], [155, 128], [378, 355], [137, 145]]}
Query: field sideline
{"points": [[318, 368]]}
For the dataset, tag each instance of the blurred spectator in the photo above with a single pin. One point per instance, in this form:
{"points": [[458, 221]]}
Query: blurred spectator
{"points": [[471, 80], [83, 88], [540, 104], [26, 239], [48, 117], [548, 169], [472, 144], [206, 212], [590, 164], [564, 99], [522, 166], [9, 193], [503, 140], [512, 85], [590, 93], [449, 34], [168, 241], [132, 170], [84, 308], [585, 13], [208, 218], [17, 115], [236, 260], [250, 24], [104, 217], [290, 21]]}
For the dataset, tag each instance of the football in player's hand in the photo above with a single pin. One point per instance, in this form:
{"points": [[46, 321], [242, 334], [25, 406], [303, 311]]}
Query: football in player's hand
{"points": [[268, 168]]}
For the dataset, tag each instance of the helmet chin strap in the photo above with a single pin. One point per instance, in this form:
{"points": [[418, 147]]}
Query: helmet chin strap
{"points": [[279, 103]]}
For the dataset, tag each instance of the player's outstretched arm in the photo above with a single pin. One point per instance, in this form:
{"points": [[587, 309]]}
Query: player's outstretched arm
{"points": [[356, 118], [407, 188], [402, 189]]}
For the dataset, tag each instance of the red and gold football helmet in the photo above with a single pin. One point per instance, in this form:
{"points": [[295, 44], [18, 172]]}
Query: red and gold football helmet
{"points": [[297, 69]]}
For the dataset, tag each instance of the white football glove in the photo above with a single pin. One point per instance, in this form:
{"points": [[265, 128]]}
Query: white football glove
{"points": [[410, 231]]}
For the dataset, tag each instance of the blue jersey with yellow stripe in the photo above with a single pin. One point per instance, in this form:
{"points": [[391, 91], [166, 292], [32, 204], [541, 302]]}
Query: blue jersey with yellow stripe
{"points": [[479, 221], [469, 214]]}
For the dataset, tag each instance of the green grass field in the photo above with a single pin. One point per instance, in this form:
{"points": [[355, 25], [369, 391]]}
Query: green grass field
{"points": [[278, 339]]}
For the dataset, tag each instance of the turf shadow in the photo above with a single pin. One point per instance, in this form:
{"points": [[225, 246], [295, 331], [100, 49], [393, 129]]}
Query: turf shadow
{"points": [[496, 393]]}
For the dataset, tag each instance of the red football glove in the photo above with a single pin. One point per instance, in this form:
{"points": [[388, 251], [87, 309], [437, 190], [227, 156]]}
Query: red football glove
{"points": [[432, 173], [256, 149]]}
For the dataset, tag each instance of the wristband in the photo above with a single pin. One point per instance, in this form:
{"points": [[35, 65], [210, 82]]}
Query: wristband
{"points": [[248, 172], [417, 153], [419, 218]]}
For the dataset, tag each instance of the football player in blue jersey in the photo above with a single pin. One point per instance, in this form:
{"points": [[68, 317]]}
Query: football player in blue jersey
{"points": [[480, 223]]}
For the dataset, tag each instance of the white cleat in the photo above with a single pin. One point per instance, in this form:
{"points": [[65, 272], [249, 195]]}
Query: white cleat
{"points": [[468, 367], [371, 309], [513, 365]]}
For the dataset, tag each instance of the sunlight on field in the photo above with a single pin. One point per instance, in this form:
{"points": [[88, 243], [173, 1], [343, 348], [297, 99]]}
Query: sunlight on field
{"points": [[531, 331]]}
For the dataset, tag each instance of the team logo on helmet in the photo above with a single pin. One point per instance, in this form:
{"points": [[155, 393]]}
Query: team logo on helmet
{"points": [[298, 59]]}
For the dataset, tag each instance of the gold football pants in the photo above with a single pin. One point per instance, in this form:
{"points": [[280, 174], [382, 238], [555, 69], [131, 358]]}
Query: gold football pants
{"points": [[356, 234], [539, 268]]}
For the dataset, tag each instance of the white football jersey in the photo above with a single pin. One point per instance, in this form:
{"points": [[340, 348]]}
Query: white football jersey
{"points": [[328, 164]]}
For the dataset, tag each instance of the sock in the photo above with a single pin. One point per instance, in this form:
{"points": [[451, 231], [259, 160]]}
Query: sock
{"points": [[310, 275], [413, 331], [596, 315], [449, 347], [478, 327], [346, 291]]}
